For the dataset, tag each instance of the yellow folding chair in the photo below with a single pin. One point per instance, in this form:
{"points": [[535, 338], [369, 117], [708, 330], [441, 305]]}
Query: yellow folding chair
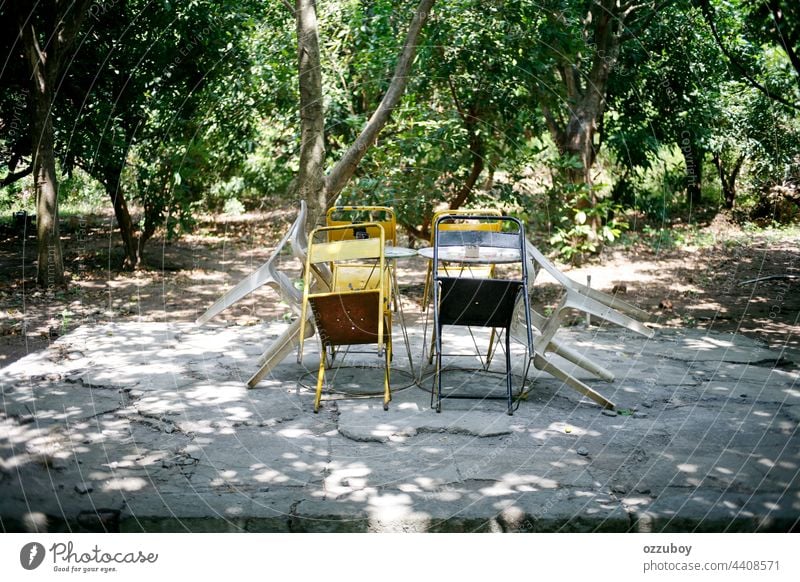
{"points": [[355, 310], [354, 217]]}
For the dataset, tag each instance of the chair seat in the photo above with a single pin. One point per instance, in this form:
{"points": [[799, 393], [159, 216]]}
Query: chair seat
{"points": [[477, 302], [347, 319]]}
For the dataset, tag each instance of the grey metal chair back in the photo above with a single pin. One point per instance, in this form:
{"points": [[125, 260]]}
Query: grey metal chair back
{"points": [[470, 301]]}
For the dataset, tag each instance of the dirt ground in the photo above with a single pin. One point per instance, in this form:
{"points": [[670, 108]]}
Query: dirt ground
{"points": [[681, 286]]}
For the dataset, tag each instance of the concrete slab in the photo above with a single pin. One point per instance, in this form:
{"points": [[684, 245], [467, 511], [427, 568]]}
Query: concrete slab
{"points": [[150, 427]]}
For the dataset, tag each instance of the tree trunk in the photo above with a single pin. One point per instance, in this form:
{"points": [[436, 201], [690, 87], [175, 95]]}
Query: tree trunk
{"points": [[728, 180], [471, 119], [45, 62], [693, 160], [320, 191], [50, 266], [310, 178], [574, 131], [344, 169], [577, 141], [126, 226], [476, 150]]}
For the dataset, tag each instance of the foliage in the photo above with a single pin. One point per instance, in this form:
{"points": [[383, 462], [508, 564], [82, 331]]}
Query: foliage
{"points": [[573, 237], [183, 107]]}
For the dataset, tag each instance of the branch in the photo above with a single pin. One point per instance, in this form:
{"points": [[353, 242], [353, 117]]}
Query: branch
{"points": [[476, 150], [552, 124], [310, 181], [12, 177], [571, 80], [631, 32], [709, 18], [66, 30], [459, 108], [30, 43], [344, 169]]}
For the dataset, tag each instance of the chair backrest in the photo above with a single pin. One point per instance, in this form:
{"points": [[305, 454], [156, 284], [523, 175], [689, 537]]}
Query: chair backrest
{"points": [[478, 230], [462, 220], [358, 266], [464, 237], [474, 301], [355, 216]]}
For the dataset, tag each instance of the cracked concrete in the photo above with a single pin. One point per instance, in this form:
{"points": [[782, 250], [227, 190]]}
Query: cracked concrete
{"points": [[150, 427]]}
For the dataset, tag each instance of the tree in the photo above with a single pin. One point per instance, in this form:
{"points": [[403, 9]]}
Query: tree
{"points": [[163, 94], [667, 97], [318, 191], [465, 115], [47, 34], [743, 28], [580, 42]]}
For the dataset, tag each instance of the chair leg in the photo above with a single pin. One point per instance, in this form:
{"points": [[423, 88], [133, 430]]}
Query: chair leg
{"points": [[320, 379], [541, 363], [579, 360], [510, 411], [438, 371], [387, 391]]}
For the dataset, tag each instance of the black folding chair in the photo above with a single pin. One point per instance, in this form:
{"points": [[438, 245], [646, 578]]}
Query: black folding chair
{"points": [[470, 301]]}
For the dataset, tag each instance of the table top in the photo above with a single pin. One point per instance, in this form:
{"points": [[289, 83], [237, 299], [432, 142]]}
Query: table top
{"points": [[460, 254], [393, 252]]}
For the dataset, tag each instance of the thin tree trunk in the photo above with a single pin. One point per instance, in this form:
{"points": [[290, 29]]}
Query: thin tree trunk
{"points": [[728, 181], [126, 226], [471, 119], [45, 63], [320, 191], [50, 266], [344, 169], [693, 160], [478, 162], [310, 178], [574, 135]]}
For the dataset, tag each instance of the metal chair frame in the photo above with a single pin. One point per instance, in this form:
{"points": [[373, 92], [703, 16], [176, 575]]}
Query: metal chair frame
{"points": [[470, 301], [353, 310]]}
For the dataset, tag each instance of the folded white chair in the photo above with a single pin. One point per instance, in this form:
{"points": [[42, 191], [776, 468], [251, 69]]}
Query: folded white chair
{"points": [[269, 274], [582, 298], [266, 274], [590, 300]]}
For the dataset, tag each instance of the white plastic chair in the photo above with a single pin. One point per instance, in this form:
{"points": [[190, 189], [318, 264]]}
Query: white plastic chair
{"points": [[582, 298], [266, 274], [269, 274]]}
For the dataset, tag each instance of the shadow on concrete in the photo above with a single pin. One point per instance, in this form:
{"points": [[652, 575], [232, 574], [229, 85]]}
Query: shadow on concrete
{"points": [[149, 427]]}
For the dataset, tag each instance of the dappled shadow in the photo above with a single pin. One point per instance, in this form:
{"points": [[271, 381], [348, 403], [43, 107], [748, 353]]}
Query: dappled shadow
{"points": [[146, 426]]}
